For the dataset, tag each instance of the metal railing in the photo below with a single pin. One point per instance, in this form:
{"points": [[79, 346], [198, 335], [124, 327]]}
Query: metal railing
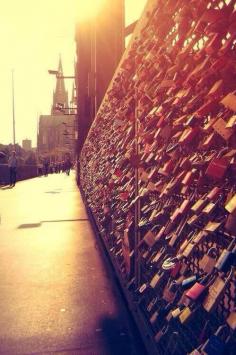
{"points": [[24, 172]]}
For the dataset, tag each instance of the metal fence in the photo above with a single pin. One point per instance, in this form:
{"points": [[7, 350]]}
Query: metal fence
{"points": [[23, 173]]}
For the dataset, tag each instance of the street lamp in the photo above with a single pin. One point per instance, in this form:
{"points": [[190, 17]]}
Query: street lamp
{"points": [[62, 109], [13, 110], [59, 76]]}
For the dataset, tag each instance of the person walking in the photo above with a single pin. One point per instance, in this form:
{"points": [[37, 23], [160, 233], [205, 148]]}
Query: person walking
{"points": [[12, 164], [68, 166], [46, 167]]}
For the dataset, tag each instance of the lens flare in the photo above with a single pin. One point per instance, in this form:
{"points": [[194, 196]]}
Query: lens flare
{"points": [[88, 9]]}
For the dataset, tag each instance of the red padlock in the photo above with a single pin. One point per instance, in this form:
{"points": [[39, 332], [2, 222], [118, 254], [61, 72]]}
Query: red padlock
{"points": [[217, 168]]}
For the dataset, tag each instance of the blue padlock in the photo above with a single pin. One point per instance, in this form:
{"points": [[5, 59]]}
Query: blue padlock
{"points": [[227, 257]]}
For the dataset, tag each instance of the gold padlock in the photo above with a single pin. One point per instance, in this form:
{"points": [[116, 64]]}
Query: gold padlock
{"points": [[176, 312], [231, 320], [188, 250], [208, 261], [229, 101], [231, 205], [185, 315], [156, 280]]}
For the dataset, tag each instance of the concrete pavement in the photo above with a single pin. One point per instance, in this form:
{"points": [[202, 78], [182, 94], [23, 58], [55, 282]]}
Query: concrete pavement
{"points": [[56, 293]]}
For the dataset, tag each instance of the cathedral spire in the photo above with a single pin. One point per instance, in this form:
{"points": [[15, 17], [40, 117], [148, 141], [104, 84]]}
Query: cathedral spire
{"points": [[60, 95]]}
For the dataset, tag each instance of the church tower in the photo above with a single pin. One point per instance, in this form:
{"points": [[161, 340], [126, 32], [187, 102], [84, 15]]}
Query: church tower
{"points": [[60, 95]]}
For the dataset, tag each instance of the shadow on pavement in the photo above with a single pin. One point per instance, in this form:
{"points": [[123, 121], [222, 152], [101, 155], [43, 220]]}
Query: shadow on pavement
{"points": [[110, 338], [35, 225], [118, 340], [29, 225], [6, 187], [65, 220]]}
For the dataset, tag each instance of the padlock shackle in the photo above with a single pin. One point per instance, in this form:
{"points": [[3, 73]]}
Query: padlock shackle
{"points": [[232, 244], [230, 275], [209, 278], [212, 249], [220, 329]]}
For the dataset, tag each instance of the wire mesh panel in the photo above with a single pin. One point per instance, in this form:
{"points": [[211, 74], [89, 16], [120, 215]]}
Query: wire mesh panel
{"points": [[158, 173]]}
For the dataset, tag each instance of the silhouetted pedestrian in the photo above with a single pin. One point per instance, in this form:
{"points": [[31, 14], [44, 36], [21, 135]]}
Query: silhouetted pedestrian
{"points": [[12, 163], [46, 166], [68, 165]]}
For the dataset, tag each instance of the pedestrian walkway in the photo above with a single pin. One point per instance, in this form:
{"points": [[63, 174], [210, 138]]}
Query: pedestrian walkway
{"points": [[57, 294]]}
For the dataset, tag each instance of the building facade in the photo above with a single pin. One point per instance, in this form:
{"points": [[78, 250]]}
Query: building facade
{"points": [[56, 132], [26, 144], [99, 47]]}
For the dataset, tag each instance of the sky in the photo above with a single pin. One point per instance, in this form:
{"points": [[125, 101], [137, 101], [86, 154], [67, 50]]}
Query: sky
{"points": [[32, 35]]}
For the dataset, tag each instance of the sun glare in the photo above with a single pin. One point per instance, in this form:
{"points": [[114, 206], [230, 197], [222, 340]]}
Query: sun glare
{"points": [[88, 9]]}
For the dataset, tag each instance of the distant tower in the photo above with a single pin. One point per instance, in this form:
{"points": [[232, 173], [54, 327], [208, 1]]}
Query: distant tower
{"points": [[27, 144], [60, 95]]}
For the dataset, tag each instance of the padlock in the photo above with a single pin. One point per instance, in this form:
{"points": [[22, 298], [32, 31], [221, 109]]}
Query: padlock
{"points": [[199, 205], [210, 106], [189, 250], [189, 177], [227, 258], [207, 263], [220, 127], [153, 318], [200, 237], [143, 288], [197, 291], [216, 292], [184, 207], [170, 262], [208, 141], [209, 208], [160, 234], [170, 291], [169, 317], [156, 280], [212, 226], [231, 204], [152, 304], [176, 312], [229, 101], [188, 282], [230, 224], [157, 257], [184, 301], [176, 234], [188, 135], [217, 168], [176, 270], [214, 193], [187, 240], [231, 320], [149, 238], [173, 238], [186, 315], [216, 345]]}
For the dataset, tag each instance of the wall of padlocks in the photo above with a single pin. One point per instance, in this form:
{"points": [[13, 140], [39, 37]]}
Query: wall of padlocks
{"points": [[158, 172]]}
